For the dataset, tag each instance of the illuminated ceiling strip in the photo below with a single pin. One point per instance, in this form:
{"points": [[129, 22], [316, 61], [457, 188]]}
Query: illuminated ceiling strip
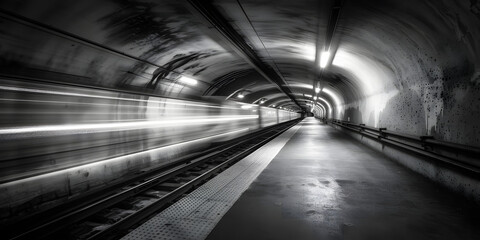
{"points": [[283, 99], [187, 80], [321, 106], [319, 110], [325, 57], [326, 102], [333, 95], [330, 109]]}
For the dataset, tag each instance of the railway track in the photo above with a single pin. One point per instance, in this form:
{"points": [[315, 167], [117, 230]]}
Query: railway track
{"points": [[112, 213]]}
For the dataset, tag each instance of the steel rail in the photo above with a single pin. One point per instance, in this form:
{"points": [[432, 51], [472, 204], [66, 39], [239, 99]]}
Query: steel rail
{"points": [[126, 223], [68, 218]]}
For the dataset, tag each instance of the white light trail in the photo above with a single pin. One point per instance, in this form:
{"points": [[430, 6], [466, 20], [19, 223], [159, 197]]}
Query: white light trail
{"points": [[125, 157], [120, 126], [70, 94]]}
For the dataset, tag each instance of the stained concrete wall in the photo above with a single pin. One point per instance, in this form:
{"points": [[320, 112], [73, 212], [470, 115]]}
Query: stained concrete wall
{"points": [[419, 70]]}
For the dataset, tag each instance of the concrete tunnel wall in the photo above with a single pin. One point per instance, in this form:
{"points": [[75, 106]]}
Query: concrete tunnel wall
{"points": [[412, 67], [418, 71], [418, 65]]}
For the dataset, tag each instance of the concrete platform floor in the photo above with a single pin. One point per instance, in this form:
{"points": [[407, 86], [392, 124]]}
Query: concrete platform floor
{"points": [[325, 185]]}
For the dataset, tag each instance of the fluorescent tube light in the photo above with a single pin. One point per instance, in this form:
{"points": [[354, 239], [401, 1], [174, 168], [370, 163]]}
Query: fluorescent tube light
{"points": [[324, 59], [187, 80]]}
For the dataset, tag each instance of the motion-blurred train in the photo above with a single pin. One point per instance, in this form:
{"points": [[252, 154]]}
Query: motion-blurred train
{"points": [[60, 141]]}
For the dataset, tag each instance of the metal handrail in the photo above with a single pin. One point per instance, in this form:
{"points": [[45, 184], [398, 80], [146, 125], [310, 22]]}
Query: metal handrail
{"points": [[418, 144]]}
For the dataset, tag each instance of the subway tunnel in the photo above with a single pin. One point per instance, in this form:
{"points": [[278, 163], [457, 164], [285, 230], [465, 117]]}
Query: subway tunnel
{"points": [[334, 119]]}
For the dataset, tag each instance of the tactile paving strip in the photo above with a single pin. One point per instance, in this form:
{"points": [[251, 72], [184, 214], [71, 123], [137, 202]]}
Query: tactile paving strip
{"points": [[195, 216]]}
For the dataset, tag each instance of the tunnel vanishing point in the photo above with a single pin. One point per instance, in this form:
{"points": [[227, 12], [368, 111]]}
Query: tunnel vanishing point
{"points": [[95, 93]]}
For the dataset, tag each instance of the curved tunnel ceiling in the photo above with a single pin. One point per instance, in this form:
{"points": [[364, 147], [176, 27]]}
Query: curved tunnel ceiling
{"points": [[393, 63]]}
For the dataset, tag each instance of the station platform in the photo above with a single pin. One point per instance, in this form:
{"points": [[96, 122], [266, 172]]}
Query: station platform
{"points": [[315, 182]]}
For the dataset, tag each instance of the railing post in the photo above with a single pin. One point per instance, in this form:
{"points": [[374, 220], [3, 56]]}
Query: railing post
{"points": [[382, 134], [424, 143]]}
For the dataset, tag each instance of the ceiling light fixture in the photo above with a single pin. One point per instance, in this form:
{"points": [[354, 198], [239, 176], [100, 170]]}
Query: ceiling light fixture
{"points": [[324, 59], [187, 80]]}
